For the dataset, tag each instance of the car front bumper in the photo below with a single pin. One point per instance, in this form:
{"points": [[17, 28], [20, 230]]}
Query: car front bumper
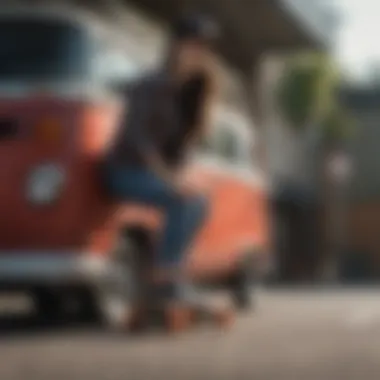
{"points": [[51, 268]]}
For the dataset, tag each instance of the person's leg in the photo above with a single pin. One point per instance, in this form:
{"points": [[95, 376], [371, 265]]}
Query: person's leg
{"points": [[184, 219], [139, 185], [182, 224], [184, 215]]}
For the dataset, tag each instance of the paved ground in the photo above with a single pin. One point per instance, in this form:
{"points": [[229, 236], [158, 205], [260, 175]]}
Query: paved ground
{"points": [[293, 336]]}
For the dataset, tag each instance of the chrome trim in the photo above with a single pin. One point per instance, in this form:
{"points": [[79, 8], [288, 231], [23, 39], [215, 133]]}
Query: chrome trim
{"points": [[54, 266], [84, 91]]}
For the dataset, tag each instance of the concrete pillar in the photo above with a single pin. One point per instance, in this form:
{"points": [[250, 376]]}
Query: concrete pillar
{"points": [[264, 74], [254, 95]]}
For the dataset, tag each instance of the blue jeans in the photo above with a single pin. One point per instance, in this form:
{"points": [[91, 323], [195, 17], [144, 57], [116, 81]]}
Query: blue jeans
{"points": [[184, 215]]}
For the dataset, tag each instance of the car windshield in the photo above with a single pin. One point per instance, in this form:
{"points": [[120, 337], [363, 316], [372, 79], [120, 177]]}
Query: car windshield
{"points": [[39, 49]]}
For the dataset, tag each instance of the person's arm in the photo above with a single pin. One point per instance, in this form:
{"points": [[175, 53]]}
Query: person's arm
{"points": [[140, 114], [204, 121]]}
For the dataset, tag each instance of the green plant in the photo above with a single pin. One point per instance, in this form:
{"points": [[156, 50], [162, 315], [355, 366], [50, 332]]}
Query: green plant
{"points": [[307, 94], [338, 125]]}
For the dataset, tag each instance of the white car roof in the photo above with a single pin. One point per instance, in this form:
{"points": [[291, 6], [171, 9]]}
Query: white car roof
{"points": [[68, 13]]}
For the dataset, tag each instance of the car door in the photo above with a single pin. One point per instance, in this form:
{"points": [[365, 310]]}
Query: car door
{"points": [[227, 171]]}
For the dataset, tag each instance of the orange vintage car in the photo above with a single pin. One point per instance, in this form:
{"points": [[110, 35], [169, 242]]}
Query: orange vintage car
{"points": [[62, 237]]}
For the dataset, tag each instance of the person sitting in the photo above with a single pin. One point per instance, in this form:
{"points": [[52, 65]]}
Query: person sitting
{"points": [[167, 114]]}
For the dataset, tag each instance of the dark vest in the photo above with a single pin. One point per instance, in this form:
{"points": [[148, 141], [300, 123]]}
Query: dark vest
{"points": [[159, 116]]}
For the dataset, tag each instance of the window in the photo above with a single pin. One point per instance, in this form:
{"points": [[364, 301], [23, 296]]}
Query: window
{"points": [[231, 144], [114, 66], [206, 145], [42, 49], [228, 144], [249, 150]]}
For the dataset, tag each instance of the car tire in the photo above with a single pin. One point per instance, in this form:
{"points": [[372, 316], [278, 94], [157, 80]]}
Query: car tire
{"points": [[48, 304], [110, 302], [243, 285]]}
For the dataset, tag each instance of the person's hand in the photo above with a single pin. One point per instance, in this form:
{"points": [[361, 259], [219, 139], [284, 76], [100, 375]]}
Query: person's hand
{"points": [[183, 186], [179, 182]]}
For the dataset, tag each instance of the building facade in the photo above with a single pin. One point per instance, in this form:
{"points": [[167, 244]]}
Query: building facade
{"points": [[363, 238], [295, 160]]}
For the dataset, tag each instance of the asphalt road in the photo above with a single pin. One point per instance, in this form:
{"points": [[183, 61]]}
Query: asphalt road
{"points": [[292, 336]]}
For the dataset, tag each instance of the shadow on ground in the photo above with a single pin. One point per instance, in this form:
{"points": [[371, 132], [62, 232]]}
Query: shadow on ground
{"points": [[22, 326]]}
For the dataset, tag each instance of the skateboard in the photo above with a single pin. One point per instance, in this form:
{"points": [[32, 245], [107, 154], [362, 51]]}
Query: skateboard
{"points": [[176, 319]]}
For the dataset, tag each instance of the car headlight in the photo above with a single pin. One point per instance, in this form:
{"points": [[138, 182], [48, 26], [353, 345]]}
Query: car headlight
{"points": [[45, 184]]}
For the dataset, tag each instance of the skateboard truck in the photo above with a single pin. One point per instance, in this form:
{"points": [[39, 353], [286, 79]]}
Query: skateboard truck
{"points": [[178, 318], [157, 306]]}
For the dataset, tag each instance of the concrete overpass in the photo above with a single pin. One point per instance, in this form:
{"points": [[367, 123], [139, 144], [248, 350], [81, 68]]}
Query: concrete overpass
{"points": [[250, 27]]}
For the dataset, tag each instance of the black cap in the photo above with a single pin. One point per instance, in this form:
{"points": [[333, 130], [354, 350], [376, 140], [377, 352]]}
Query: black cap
{"points": [[196, 26]]}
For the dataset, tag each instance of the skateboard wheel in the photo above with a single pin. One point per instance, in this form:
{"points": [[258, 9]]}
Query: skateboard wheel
{"points": [[178, 319], [224, 318], [137, 320]]}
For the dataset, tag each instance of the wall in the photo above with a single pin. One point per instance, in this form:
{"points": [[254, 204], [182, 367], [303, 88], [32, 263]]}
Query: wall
{"points": [[363, 231], [364, 192], [365, 150]]}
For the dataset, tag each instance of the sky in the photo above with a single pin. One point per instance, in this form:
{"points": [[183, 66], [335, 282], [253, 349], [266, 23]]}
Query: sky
{"points": [[358, 42]]}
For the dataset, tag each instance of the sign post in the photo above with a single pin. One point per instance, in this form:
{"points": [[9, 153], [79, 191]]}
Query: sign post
{"points": [[339, 170]]}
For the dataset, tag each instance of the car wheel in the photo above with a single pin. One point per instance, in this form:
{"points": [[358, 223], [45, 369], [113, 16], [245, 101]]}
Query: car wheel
{"points": [[113, 297], [243, 285], [48, 304]]}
